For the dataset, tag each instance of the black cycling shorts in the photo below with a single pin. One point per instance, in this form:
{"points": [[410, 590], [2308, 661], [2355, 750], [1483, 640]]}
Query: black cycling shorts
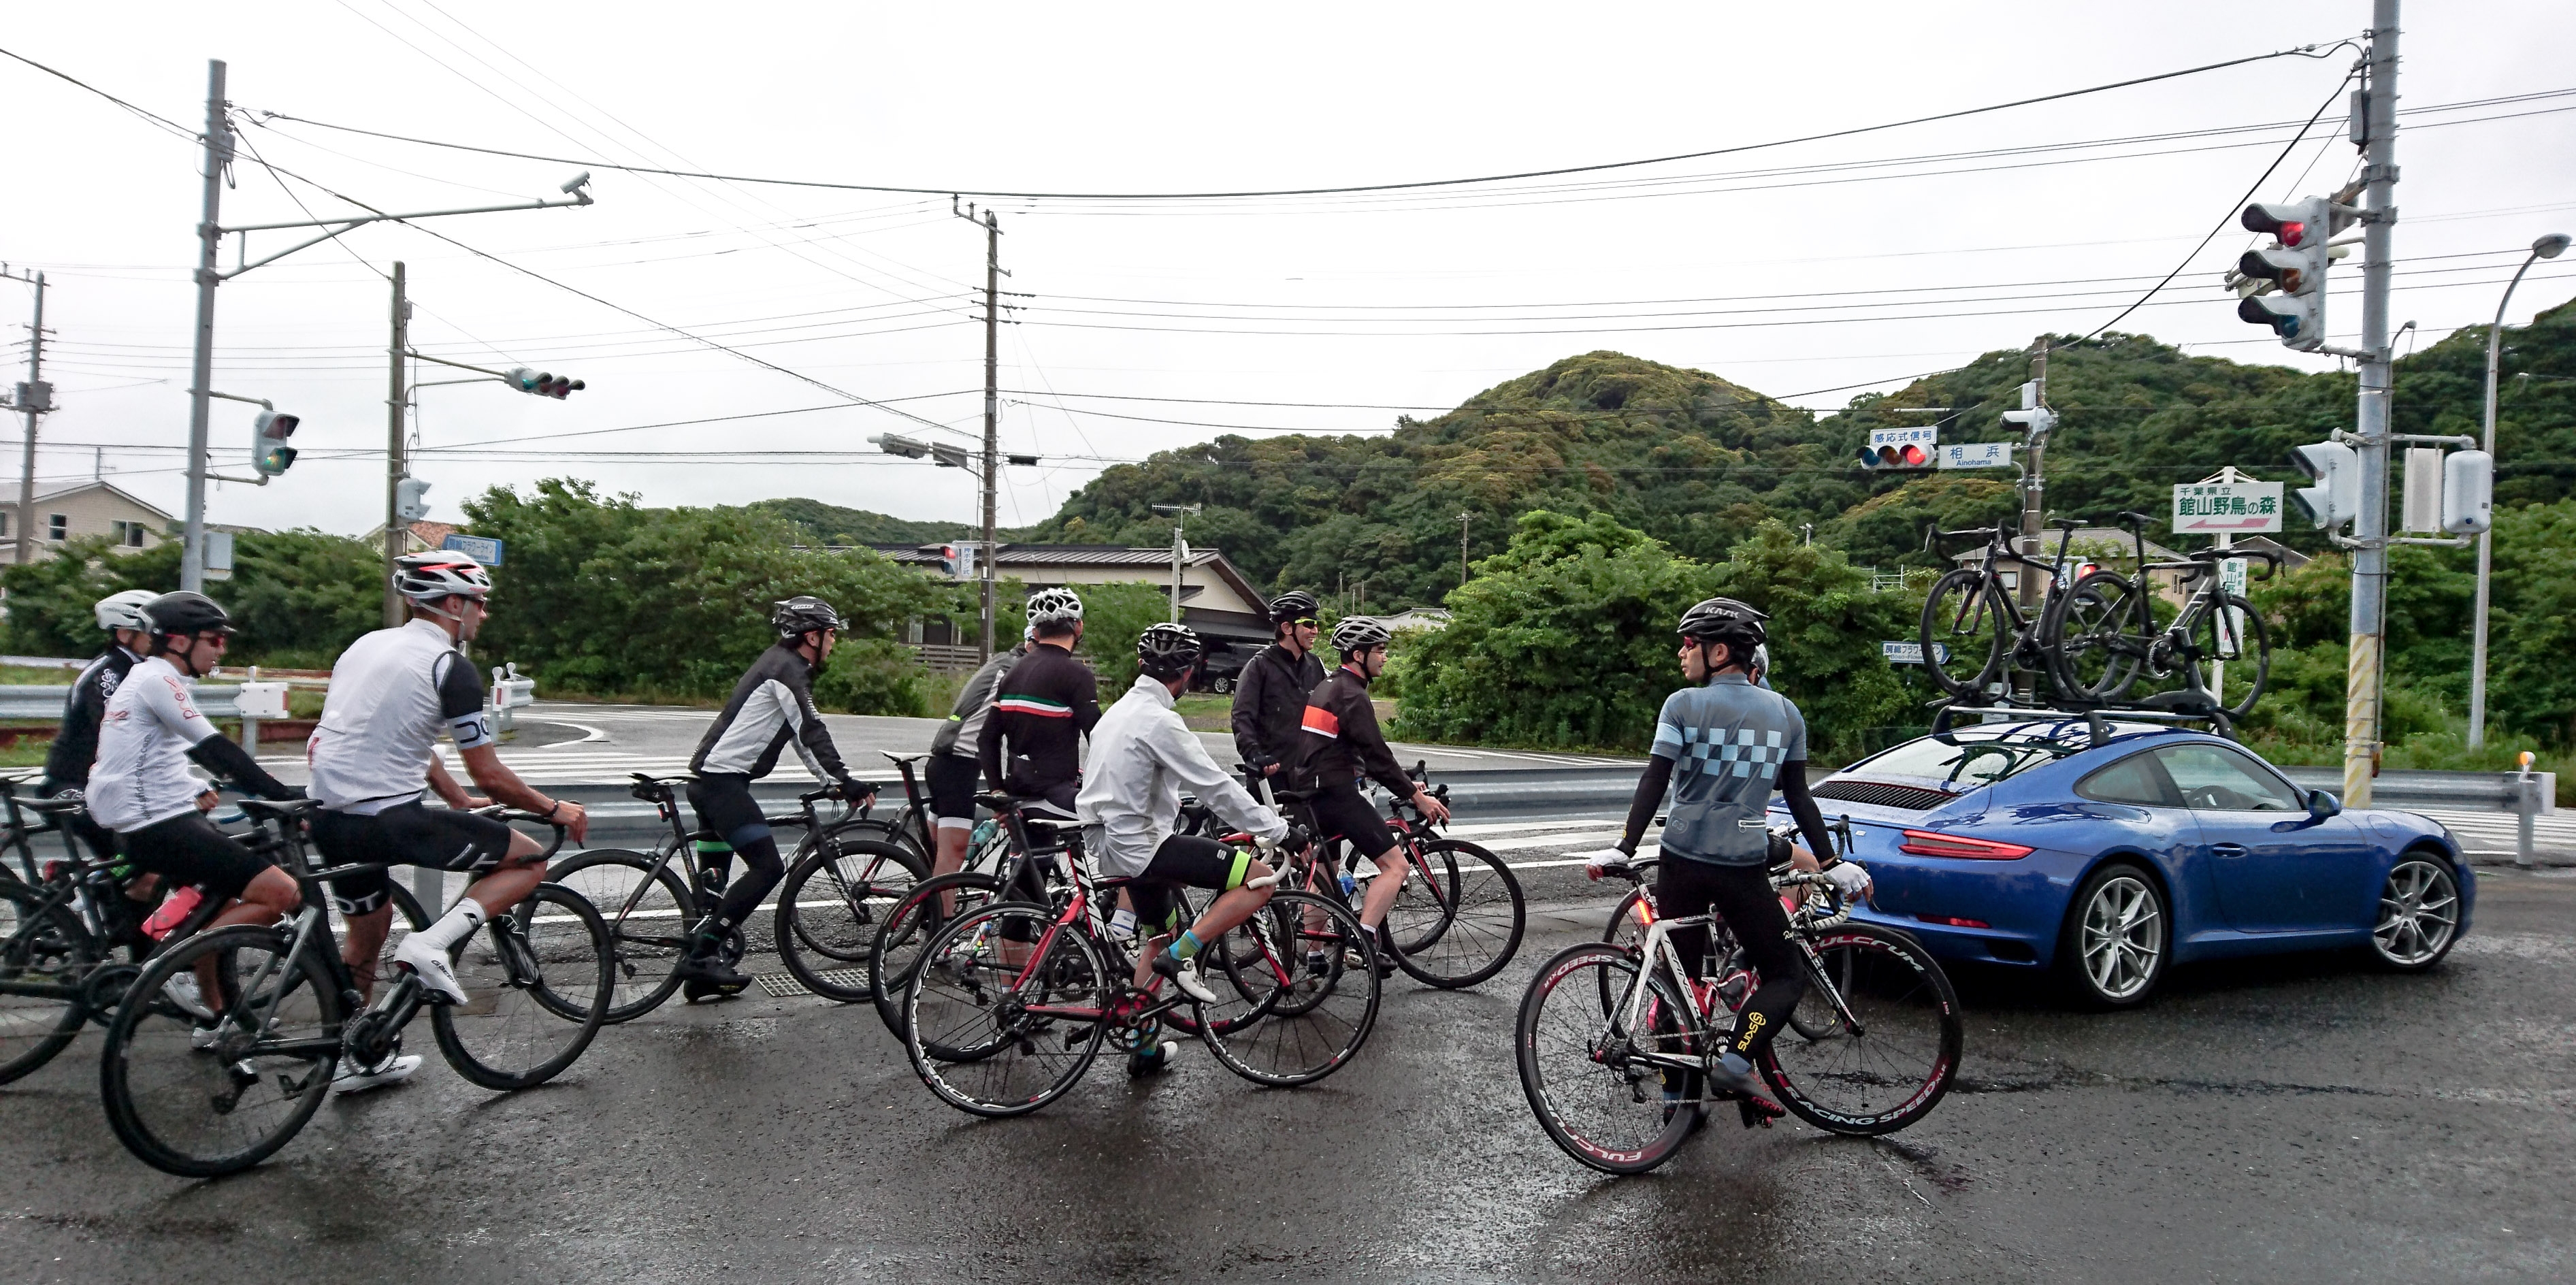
{"points": [[725, 804], [188, 849], [953, 782], [406, 834], [1342, 812], [1184, 861]]}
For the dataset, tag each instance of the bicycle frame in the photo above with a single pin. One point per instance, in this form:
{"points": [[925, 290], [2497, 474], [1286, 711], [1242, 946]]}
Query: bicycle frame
{"points": [[1657, 953]]}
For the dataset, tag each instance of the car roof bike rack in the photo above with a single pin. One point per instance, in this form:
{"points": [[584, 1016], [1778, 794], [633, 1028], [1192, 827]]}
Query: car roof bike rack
{"points": [[2097, 727]]}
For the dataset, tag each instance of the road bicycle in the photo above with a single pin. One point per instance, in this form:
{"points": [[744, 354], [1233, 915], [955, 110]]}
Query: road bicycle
{"points": [[992, 863], [1455, 924], [1973, 632], [1011, 1003], [201, 1094], [1613, 1040], [2107, 642], [837, 888]]}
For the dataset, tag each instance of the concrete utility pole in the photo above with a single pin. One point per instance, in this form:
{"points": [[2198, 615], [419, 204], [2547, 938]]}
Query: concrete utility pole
{"points": [[34, 398], [397, 465], [992, 399], [2034, 497], [2361, 719], [1463, 520], [201, 370], [1180, 548]]}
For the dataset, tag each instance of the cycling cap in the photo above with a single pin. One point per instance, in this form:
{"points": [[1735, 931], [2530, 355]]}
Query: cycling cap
{"points": [[184, 614], [1358, 632], [801, 615], [1724, 620], [1296, 604], [1054, 607], [1167, 650], [124, 610], [440, 573]]}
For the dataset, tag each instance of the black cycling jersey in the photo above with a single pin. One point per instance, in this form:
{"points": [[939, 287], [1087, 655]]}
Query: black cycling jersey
{"points": [[1340, 740], [1270, 701], [772, 707], [76, 745], [1032, 739]]}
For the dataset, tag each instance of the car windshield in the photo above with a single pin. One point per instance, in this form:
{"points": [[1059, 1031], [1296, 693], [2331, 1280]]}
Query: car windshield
{"points": [[1964, 761]]}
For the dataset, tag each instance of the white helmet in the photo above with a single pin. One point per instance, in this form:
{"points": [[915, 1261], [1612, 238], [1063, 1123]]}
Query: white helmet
{"points": [[428, 577], [124, 610], [1054, 607]]}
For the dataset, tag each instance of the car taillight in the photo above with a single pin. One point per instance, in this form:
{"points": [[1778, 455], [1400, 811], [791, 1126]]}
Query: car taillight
{"points": [[1954, 921], [1932, 843]]}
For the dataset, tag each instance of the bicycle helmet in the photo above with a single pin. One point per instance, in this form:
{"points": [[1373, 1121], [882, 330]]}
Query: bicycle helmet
{"points": [[1055, 608], [1357, 633], [440, 573], [124, 610], [796, 617], [1167, 651], [1724, 620], [185, 615], [1296, 604]]}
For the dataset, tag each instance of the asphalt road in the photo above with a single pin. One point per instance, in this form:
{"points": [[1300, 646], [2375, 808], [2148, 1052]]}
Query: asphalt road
{"points": [[2287, 1120]]}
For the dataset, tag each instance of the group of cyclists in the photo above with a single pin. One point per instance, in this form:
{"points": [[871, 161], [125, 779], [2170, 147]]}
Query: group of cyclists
{"points": [[1723, 744]]}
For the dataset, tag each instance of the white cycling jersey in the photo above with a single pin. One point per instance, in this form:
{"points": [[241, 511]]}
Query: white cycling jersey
{"points": [[141, 775], [391, 694]]}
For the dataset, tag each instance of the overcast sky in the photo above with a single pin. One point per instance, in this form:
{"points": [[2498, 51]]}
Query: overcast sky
{"points": [[1798, 271]]}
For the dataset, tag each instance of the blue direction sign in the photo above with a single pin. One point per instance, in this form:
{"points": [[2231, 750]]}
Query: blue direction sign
{"points": [[482, 548], [1911, 653]]}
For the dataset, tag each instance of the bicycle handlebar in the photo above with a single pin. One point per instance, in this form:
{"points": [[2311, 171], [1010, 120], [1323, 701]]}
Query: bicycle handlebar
{"points": [[506, 815]]}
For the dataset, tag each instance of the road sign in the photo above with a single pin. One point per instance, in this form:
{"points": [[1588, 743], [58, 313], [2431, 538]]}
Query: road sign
{"points": [[2235, 508], [1911, 653], [482, 548], [1977, 455]]}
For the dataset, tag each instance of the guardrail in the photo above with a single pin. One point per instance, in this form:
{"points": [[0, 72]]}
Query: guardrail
{"points": [[2525, 794], [223, 700]]}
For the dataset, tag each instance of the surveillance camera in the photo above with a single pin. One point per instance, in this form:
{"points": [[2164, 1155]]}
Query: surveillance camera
{"points": [[576, 182]]}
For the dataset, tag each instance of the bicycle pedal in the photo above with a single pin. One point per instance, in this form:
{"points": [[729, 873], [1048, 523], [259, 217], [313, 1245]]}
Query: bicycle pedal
{"points": [[1757, 1112]]}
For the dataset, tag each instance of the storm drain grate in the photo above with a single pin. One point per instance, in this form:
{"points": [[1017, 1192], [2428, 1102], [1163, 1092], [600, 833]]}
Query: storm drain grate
{"points": [[785, 985]]}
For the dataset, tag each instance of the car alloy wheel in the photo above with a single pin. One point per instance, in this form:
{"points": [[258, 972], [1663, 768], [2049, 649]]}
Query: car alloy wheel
{"points": [[2120, 937], [2419, 914]]}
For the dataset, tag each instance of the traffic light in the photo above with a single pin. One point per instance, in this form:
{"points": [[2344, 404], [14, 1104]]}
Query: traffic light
{"points": [[411, 502], [2468, 492], [543, 384], [960, 559], [2336, 497], [269, 453], [2284, 284], [1899, 448]]}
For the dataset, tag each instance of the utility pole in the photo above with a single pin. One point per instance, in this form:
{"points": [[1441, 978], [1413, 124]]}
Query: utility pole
{"points": [[1463, 519], [1180, 548], [201, 370], [2361, 719], [397, 465], [34, 398], [2034, 495], [993, 275]]}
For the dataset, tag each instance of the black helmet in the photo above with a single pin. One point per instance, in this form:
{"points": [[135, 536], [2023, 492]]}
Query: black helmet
{"points": [[1724, 620], [1167, 651], [801, 615], [184, 615], [1356, 633], [1296, 604]]}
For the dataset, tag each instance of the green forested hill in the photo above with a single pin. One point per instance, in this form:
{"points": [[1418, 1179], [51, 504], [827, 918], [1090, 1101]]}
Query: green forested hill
{"points": [[822, 523]]}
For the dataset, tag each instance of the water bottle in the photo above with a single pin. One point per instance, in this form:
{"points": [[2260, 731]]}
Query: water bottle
{"points": [[1122, 925], [173, 912], [983, 836]]}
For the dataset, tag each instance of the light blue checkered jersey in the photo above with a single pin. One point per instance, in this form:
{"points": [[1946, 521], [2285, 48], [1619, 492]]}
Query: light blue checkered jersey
{"points": [[1727, 741]]}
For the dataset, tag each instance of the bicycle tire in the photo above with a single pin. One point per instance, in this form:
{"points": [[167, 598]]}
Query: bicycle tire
{"points": [[1964, 618], [973, 1043], [552, 952], [831, 926], [647, 940], [882, 831], [1255, 1036], [1476, 913], [147, 1105], [1590, 1100], [2088, 637], [899, 939], [1899, 1067], [45, 955], [2251, 645]]}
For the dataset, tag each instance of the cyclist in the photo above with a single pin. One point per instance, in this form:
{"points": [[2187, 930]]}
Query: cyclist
{"points": [[772, 707], [392, 693], [1721, 745], [1338, 743], [952, 769], [140, 786], [1142, 757], [75, 745], [1270, 695], [1030, 744]]}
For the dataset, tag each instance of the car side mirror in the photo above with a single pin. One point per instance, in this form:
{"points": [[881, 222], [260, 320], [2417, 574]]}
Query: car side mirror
{"points": [[2323, 804]]}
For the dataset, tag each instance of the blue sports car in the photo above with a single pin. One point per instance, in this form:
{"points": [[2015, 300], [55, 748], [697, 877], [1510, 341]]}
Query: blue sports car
{"points": [[2113, 850]]}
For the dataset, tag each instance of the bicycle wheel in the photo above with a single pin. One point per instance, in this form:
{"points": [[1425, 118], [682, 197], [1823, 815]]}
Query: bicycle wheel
{"points": [[908, 926], [1963, 619], [1459, 925], [969, 1024], [2091, 637], [648, 934], [45, 957], [881, 830], [831, 906], [1890, 1069], [1276, 1023], [537, 982], [199, 1111], [1579, 1067], [2230, 634]]}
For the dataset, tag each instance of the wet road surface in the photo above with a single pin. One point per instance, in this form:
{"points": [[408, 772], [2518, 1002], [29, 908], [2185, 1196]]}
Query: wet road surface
{"points": [[2295, 1119]]}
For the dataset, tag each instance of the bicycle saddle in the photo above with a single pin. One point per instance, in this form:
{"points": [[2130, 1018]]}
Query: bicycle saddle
{"points": [[54, 807], [278, 809], [2134, 520], [903, 758]]}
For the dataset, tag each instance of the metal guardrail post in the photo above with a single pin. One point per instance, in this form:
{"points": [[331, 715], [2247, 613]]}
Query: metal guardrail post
{"points": [[2526, 805]]}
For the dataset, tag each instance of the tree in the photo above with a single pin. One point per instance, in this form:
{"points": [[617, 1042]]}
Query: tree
{"points": [[1113, 616], [297, 597], [1826, 625]]}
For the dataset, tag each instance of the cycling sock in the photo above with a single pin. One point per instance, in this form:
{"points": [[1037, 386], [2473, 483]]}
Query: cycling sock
{"points": [[454, 926], [1184, 946]]}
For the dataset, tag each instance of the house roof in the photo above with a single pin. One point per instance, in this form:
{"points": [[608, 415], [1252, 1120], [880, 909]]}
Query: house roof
{"points": [[102, 484]]}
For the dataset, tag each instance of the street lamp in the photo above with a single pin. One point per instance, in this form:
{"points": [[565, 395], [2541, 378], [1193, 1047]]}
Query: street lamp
{"points": [[956, 457], [2547, 247], [1180, 549]]}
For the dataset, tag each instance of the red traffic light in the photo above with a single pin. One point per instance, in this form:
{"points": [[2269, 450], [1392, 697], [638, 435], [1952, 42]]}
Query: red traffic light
{"points": [[2286, 223], [1914, 456]]}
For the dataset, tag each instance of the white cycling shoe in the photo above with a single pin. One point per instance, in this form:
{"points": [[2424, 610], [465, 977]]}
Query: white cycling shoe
{"points": [[182, 990], [352, 1078], [1186, 976], [431, 963]]}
